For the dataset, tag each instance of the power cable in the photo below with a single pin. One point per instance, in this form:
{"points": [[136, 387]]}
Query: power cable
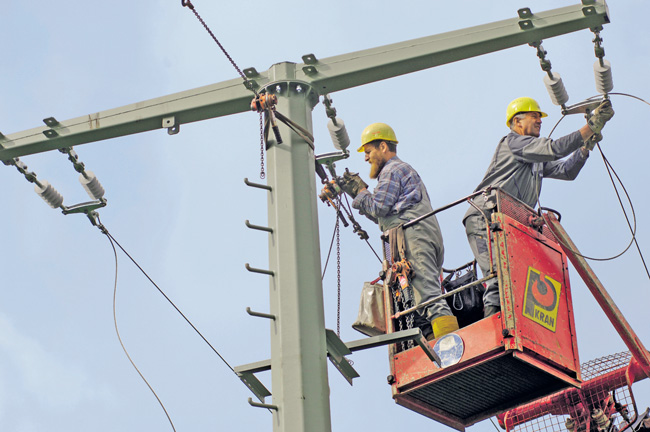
{"points": [[105, 231], [336, 236], [367, 242], [329, 253], [119, 338], [633, 231], [610, 170]]}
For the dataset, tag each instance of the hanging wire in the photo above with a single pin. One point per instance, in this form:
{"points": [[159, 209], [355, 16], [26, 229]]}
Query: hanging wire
{"points": [[119, 338], [367, 242], [336, 236], [495, 426], [632, 230], [610, 170], [329, 253], [105, 231]]}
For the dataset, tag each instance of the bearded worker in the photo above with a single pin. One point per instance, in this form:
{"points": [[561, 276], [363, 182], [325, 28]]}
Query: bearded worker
{"points": [[399, 197]]}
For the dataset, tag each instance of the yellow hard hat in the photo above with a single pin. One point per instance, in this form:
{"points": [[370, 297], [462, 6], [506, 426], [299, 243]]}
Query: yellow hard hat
{"points": [[377, 131], [522, 104]]}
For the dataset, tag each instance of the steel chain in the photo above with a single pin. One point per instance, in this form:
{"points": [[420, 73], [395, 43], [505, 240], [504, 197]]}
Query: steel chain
{"points": [[247, 83], [338, 275], [410, 319], [262, 173], [187, 3], [400, 321], [401, 304]]}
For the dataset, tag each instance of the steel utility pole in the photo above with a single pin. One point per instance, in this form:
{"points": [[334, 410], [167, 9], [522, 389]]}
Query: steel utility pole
{"points": [[299, 345], [298, 350]]}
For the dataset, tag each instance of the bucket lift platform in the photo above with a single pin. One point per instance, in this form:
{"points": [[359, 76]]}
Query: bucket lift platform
{"points": [[526, 351]]}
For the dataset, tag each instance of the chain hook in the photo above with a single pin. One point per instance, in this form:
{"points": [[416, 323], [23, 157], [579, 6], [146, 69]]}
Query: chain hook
{"points": [[187, 3]]}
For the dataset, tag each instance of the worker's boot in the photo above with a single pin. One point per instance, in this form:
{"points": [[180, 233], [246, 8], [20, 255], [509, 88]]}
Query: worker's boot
{"points": [[443, 325], [490, 310]]}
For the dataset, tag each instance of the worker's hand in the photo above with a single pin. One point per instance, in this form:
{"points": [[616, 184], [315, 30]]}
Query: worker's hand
{"points": [[600, 116], [352, 184], [590, 143]]}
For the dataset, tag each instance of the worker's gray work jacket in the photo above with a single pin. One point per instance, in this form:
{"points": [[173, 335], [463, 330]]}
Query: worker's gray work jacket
{"points": [[521, 161]]}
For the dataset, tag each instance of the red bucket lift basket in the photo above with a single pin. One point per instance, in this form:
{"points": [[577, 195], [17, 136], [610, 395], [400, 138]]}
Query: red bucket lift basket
{"points": [[525, 352]]}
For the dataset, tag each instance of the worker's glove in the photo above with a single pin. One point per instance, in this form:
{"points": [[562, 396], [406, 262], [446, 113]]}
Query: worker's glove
{"points": [[590, 142], [352, 184], [600, 116]]}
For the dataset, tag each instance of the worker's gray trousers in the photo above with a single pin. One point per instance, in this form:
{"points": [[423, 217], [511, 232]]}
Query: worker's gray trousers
{"points": [[426, 259], [425, 252], [476, 231]]}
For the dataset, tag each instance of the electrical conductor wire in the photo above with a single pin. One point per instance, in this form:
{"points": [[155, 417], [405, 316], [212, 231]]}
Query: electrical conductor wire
{"points": [[119, 338], [610, 169], [329, 253], [609, 166], [105, 231], [369, 245]]}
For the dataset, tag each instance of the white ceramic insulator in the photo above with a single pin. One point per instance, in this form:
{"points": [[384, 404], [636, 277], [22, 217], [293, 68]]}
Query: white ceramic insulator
{"points": [[92, 185], [49, 194], [603, 75], [556, 89], [339, 134]]}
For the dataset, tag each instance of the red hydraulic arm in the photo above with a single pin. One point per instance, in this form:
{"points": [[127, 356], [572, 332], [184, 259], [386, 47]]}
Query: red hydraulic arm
{"points": [[594, 394], [603, 298]]}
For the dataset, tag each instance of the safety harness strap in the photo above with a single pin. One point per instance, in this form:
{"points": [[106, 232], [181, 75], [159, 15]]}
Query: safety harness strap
{"points": [[397, 243]]}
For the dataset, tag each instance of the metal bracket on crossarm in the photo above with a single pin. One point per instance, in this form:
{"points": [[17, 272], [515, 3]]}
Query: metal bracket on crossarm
{"points": [[336, 351]]}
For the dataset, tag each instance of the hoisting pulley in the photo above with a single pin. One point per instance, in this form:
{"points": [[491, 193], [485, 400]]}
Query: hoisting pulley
{"points": [[266, 102]]}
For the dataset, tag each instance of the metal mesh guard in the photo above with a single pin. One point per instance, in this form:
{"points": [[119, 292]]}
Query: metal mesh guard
{"points": [[612, 395], [519, 211]]}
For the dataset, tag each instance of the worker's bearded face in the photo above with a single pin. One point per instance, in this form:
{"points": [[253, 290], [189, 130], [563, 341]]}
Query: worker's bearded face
{"points": [[376, 160]]}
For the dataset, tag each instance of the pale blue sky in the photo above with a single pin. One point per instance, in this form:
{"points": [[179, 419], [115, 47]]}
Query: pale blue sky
{"points": [[178, 203]]}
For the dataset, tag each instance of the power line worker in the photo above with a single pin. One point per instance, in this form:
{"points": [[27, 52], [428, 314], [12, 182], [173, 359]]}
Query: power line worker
{"points": [[399, 197], [520, 162]]}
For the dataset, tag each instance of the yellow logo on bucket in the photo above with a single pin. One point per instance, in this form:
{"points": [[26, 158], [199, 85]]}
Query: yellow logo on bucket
{"points": [[541, 299]]}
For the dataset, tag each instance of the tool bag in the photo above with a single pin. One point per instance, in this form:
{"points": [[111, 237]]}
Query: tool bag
{"points": [[466, 305], [371, 320]]}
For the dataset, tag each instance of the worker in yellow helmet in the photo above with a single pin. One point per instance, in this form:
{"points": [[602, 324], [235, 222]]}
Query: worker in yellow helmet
{"points": [[520, 162], [400, 196]]}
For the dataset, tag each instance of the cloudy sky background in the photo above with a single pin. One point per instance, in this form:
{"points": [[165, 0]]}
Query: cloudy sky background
{"points": [[178, 203]]}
